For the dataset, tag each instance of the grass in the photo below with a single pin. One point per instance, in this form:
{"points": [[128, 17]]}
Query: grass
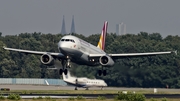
{"points": [[84, 100], [78, 98], [62, 92], [162, 100], [80, 92]]}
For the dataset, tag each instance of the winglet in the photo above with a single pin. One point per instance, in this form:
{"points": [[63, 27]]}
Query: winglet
{"points": [[4, 47], [175, 52], [101, 43]]}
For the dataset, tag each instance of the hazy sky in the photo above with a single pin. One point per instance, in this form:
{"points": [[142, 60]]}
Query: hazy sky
{"points": [[19, 16]]}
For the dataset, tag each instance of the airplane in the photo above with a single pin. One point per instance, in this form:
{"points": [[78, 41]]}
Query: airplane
{"points": [[76, 50], [83, 82]]}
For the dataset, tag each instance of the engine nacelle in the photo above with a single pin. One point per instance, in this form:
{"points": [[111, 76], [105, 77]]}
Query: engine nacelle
{"points": [[106, 61], [47, 59]]}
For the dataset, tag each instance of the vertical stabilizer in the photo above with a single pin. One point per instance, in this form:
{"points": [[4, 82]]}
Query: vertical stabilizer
{"points": [[68, 76], [101, 43]]}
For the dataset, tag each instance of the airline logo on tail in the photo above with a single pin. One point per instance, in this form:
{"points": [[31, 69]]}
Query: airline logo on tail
{"points": [[101, 43]]}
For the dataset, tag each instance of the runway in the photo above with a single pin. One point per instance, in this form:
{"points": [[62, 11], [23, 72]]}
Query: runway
{"points": [[46, 87], [90, 96], [170, 93], [53, 97]]}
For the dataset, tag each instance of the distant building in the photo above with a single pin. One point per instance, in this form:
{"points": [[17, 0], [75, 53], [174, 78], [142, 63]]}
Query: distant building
{"points": [[72, 26], [121, 29], [63, 29]]}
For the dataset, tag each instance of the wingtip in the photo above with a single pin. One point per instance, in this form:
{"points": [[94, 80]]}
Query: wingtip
{"points": [[4, 47], [175, 52]]}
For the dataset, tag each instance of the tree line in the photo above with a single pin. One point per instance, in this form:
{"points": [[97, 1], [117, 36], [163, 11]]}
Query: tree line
{"points": [[149, 71]]}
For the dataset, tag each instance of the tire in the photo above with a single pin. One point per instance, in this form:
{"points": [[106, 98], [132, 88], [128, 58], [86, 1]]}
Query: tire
{"points": [[104, 72], [60, 72], [100, 72], [65, 71]]}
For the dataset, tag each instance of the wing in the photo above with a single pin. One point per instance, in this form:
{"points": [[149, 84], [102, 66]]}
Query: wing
{"points": [[34, 52], [132, 54]]}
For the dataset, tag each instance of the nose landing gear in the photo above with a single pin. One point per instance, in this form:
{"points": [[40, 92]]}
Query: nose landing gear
{"points": [[65, 65]]}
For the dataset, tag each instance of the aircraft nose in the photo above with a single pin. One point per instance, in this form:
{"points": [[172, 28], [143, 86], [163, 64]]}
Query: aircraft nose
{"points": [[62, 46], [105, 84]]}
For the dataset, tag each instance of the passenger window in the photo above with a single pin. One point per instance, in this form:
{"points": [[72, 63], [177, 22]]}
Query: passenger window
{"points": [[67, 40]]}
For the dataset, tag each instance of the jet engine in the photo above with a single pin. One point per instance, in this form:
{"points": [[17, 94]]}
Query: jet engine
{"points": [[106, 61], [47, 59]]}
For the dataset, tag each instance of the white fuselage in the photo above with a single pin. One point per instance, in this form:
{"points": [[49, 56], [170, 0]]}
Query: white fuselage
{"points": [[85, 82], [78, 50]]}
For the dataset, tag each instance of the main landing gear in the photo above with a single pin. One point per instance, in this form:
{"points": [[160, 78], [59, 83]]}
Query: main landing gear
{"points": [[75, 88], [63, 70], [65, 65], [101, 88], [102, 71]]}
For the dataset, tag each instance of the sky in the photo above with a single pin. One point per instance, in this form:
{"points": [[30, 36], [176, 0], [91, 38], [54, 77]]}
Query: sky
{"points": [[45, 16]]}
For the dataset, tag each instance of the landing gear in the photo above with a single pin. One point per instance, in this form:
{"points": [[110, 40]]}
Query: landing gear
{"points": [[75, 88], [87, 88], [104, 72], [65, 71], [60, 71], [65, 66], [100, 72], [101, 88], [68, 63]]}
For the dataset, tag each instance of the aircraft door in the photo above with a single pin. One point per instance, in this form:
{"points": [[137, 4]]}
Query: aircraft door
{"points": [[78, 45]]}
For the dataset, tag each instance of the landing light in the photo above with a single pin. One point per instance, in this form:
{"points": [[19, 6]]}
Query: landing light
{"points": [[92, 60]]}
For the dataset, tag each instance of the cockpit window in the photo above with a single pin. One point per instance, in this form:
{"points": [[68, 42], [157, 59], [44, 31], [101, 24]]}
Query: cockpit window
{"points": [[67, 40], [62, 39], [70, 40]]}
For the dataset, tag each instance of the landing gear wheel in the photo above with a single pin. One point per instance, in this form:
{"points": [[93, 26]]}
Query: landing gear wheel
{"points": [[87, 88], [65, 71], [60, 72], [99, 72], [75, 88], [104, 72]]}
